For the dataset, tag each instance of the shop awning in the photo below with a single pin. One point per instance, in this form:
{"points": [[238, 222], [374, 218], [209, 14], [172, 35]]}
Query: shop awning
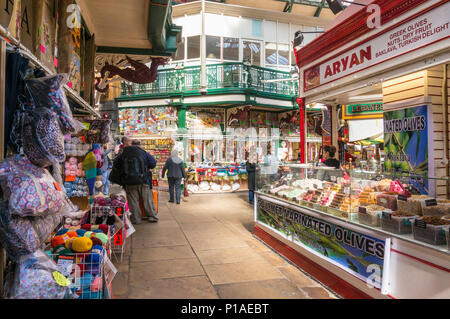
{"points": [[369, 142]]}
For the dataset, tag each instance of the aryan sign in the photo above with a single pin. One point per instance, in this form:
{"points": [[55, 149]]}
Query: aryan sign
{"points": [[421, 31]]}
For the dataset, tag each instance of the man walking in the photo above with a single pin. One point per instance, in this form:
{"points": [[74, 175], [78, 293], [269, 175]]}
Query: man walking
{"points": [[133, 166]]}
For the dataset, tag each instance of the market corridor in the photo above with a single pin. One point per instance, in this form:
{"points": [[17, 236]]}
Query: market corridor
{"points": [[204, 248]]}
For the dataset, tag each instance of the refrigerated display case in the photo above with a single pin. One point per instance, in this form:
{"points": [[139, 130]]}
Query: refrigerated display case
{"points": [[354, 223]]}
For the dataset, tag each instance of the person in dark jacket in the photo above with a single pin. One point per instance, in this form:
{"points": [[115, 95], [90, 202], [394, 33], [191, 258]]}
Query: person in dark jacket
{"points": [[175, 172], [251, 173], [138, 187]]}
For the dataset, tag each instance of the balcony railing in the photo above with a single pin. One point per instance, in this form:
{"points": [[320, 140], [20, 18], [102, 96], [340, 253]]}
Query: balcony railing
{"points": [[220, 78]]}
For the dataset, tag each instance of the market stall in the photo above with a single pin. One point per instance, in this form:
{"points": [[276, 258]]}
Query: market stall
{"points": [[403, 64]]}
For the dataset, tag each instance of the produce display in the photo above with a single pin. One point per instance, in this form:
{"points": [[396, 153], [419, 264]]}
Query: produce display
{"points": [[378, 202]]}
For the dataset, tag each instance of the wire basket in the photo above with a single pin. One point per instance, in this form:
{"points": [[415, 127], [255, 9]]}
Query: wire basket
{"points": [[86, 273], [115, 218]]}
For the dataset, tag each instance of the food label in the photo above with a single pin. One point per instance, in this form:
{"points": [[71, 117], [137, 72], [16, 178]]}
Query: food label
{"points": [[402, 197], [431, 202], [386, 215], [362, 210], [420, 223]]}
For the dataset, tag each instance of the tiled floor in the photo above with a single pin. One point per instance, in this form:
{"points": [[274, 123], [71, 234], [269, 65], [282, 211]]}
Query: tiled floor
{"points": [[204, 248]]}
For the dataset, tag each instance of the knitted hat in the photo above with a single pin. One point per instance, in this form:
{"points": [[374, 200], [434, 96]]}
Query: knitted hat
{"points": [[88, 234], [62, 232], [86, 227], [57, 241], [96, 241], [81, 244], [102, 237], [81, 232]]}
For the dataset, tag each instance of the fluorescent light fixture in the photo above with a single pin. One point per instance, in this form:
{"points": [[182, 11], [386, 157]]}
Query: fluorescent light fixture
{"points": [[372, 97]]}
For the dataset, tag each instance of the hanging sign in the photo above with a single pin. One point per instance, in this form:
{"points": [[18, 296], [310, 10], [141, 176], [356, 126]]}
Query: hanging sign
{"points": [[362, 111], [424, 30]]}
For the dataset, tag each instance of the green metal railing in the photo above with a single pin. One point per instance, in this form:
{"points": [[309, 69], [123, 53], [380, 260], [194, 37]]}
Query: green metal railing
{"points": [[219, 77]]}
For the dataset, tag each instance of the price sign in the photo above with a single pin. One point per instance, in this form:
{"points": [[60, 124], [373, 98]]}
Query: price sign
{"points": [[362, 210], [118, 237], [420, 223], [402, 197], [431, 202], [386, 215]]}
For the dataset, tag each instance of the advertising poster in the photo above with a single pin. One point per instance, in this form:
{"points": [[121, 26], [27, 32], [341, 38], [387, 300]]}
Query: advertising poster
{"points": [[406, 143], [359, 254]]}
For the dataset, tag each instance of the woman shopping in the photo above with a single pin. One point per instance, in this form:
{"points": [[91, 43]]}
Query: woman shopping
{"points": [[175, 172], [251, 173]]}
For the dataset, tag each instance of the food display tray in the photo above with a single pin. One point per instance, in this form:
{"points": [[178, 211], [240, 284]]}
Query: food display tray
{"points": [[431, 234], [397, 225], [370, 220]]}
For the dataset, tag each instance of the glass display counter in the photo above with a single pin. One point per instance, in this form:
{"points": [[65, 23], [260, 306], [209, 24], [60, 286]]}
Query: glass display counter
{"points": [[359, 221]]}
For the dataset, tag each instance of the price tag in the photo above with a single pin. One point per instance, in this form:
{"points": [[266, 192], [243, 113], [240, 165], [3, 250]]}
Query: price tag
{"points": [[420, 223], [362, 210], [402, 197], [431, 202], [65, 265], [386, 215]]}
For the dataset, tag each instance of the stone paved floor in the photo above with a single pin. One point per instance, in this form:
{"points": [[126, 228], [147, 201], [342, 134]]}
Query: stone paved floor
{"points": [[204, 248]]}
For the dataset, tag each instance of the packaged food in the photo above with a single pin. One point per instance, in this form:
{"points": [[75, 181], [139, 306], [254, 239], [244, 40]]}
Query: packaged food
{"points": [[430, 229], [387, 200], [413, 204], [397, 222]]}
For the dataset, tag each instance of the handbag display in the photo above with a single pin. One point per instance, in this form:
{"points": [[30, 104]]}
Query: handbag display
{"points": [[32, 190]]}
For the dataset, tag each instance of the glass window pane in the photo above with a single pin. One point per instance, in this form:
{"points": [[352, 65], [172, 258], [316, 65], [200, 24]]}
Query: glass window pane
{"points": [[231, 49], [179, 55], [271, 53], [212, 47], [193, 44], [252, 52], [283, 54]]}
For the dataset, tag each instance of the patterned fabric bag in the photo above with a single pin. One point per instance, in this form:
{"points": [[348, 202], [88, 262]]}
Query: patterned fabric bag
{"points": [[34, 277], [43, 141], [31, 190], [98, 132], [49, 92], [22, 236]]}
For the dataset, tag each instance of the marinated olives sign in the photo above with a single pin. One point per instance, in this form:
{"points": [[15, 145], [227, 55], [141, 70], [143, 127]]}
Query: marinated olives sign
{"points": [[406, 142], [359, 254]]}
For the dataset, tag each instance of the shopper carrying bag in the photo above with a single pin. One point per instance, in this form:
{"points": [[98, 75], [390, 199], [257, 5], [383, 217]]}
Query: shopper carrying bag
{"points": [[175, 172]]}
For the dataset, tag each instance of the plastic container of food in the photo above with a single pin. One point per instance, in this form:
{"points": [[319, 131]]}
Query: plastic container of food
{"points": [[397, 224], [428, 233], [372, 219], [447, 234]]}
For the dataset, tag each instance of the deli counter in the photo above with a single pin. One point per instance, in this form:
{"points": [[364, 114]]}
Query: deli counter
{"points": [[385, 235]]}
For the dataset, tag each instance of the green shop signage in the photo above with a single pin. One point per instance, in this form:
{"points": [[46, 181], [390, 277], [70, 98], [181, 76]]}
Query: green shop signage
{"points": [[359, 254], [362, 111]]}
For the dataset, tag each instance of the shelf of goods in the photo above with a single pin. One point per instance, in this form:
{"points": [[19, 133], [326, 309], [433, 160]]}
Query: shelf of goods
{"points": [[360, 224], [210, 178]]}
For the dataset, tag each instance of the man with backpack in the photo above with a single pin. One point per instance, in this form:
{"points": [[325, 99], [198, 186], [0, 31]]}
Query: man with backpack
{"points": [[131, 169]]}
